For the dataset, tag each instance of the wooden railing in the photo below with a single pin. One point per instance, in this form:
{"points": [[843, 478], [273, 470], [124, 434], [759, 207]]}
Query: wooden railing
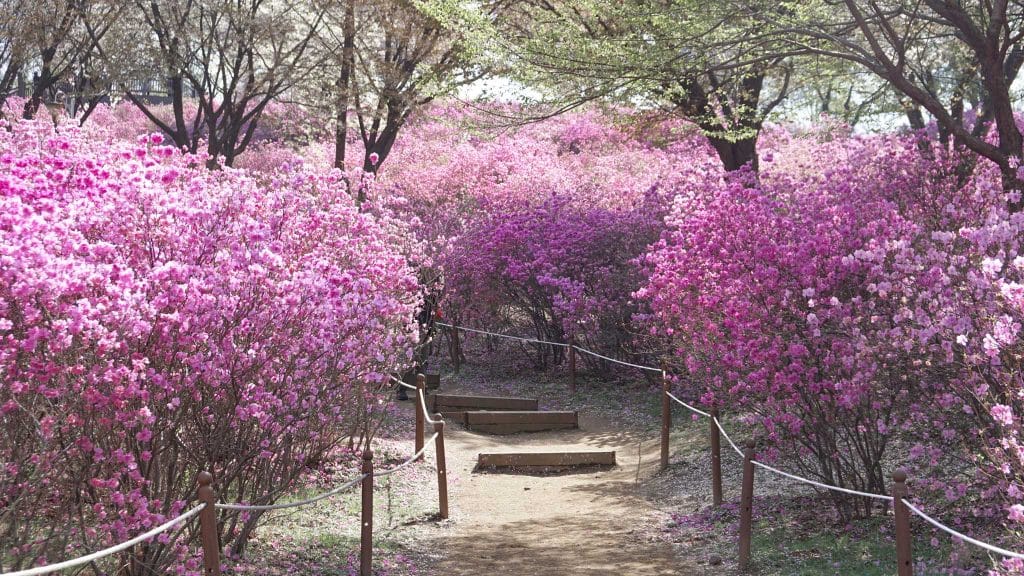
{"points": [[208, 506], [902, 507]]}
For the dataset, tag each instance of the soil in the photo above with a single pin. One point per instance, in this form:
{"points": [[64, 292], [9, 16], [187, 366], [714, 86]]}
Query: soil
{"points": [[586, 521]]}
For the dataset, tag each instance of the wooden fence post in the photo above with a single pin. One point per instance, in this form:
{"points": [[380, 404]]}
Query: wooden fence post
{"points": [[366, 517], [442, 470], [208, 525], [901, 514], [747, 506], [420, 422], [572, 364], [456, 349], [716, 460], [666, 415]]}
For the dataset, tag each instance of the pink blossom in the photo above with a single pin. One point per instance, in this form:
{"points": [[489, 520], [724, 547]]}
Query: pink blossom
{"points": [[1016, 513], [1002, 414]]}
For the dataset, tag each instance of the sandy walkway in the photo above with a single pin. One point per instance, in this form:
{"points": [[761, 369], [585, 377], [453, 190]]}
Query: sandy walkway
{"points": [[573, 523]]}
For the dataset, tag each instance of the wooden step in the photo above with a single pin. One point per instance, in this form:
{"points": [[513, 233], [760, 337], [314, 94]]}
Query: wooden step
{"points": [[453, 407], [462, 403], [545, 460], [453, 416], [510, 422]]}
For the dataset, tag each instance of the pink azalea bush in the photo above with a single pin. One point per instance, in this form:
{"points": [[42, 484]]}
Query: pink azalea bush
{"points": [[536, 230], [158, 319], [845, 308], [755, 284]]}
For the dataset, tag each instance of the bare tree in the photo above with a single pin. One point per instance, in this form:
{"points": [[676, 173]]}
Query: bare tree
{"points": [[939, 54], [47, 40], [389, 58], [12, 47], [346, 69], [222, 62]]}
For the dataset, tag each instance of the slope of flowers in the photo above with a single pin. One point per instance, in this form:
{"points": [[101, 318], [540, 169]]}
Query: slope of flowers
{"points": [[157, 319], [847, 307], [537, 229], [860, 299]]}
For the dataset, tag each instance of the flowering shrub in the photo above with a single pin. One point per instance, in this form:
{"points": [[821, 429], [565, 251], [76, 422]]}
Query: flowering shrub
{"points": [[756, 285], [158, 319], [877, 300], [536, 231], [561, 270]]}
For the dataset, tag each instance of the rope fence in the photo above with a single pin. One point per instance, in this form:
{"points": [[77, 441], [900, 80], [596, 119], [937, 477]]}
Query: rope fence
{"points": [[722, 431], [286, 505], [960, 535], [901, 503], [505, 336], [109, 551], [688, 407], [610, 359], [209, 506], [418, 455]]}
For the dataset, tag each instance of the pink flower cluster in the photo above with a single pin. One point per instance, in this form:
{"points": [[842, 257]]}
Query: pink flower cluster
{"points": [[158, 319], [538, 230], [876, 299]]}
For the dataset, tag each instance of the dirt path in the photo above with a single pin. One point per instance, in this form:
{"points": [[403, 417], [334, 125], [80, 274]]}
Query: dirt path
{"points": [[591, 522]]}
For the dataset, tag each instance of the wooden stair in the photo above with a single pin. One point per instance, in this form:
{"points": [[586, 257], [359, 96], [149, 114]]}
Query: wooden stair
{"points": [[454, 407], [432, 381], [511, 422], [544, 461]]}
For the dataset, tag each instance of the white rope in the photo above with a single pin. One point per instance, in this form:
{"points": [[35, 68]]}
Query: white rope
{"points": [[426, 414], [401, 383], [687, 406], [914, 509], [306, 502], [519, 338], [964, 537], [112, 550], [603, 357], [411, 459], [820, 485], [423, 404], [562, 344], [727, 439], [325, 495]]}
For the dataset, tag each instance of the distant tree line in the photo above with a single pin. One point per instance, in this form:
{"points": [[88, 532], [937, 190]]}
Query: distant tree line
{"points": [[217, 64], [729, 66], [365, 66]]}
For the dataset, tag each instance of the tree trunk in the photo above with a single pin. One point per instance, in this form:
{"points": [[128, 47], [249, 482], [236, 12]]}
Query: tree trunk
{"points": [[1011, 142], [915, 118], [344, 84], [40, 84], [1015, 186], [176, 88], [736, 153], [695, 103]]}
